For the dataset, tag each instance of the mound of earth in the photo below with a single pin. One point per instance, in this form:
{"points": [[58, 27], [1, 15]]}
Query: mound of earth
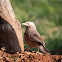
{"points": [[29, 57]]}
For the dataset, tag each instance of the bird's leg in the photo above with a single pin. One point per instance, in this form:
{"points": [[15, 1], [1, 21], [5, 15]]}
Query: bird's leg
{"points": [[28, 48], [37, 51]]}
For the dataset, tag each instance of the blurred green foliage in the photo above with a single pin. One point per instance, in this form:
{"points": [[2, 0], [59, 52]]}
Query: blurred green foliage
{"points": [[47, 16]]}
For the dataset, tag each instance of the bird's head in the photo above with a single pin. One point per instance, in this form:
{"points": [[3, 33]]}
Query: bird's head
{"points": [[29, 24]]}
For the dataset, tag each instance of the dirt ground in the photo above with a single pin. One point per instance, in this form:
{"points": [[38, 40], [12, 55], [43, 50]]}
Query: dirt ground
{"points": [[29, 57]]}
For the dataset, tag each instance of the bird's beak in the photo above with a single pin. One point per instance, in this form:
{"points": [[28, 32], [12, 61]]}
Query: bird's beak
{"points": [[25, 24]]}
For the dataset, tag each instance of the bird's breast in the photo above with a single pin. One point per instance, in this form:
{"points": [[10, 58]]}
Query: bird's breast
{"points": [[29, 41]]}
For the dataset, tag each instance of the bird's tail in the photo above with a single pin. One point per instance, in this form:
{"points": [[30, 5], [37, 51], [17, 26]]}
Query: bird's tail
{"points": [[43, 49]]}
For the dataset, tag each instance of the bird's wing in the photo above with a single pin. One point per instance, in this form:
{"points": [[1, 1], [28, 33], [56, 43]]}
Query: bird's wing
{"points": [[37, 39]]}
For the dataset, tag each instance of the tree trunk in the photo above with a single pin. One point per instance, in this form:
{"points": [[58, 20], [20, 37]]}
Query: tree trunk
{"points": [[10, 28]]}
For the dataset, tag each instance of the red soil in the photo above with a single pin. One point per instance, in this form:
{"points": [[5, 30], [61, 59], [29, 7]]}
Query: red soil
{"points": [[29, 57]]}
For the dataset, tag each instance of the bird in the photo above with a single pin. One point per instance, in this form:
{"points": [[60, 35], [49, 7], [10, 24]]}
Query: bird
{"points": [[33, 38]]}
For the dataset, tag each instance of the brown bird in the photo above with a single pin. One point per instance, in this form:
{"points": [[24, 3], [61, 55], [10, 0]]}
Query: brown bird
{"points": [[33, 38]]}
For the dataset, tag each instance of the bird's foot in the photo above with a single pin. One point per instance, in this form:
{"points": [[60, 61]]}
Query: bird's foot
{"points": [[28, 48]]}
